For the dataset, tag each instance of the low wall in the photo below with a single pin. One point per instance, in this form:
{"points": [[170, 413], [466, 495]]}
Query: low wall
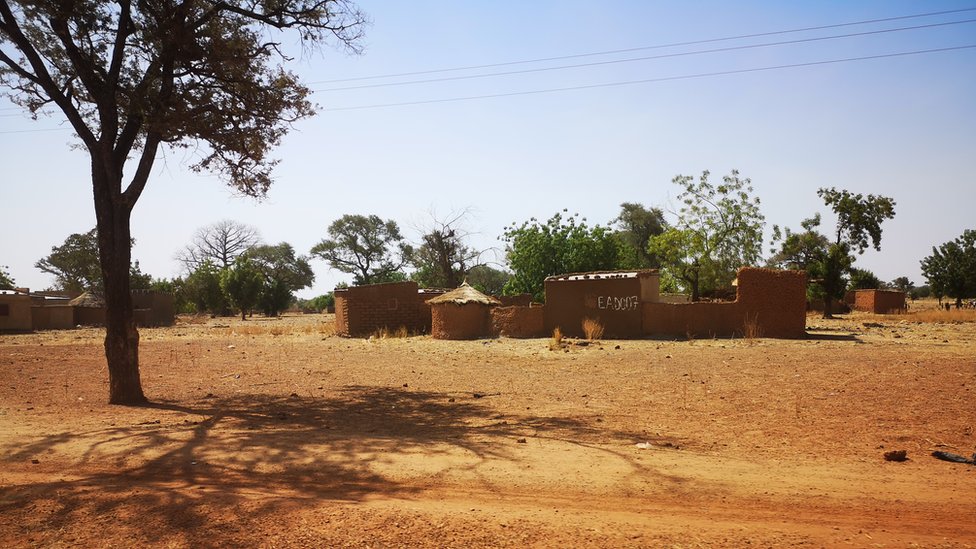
{"points": [[158, 308], [363, 310], [613, 302], [774, 302], [15, 312], [879, 301], [523, 300], [692, 319], [89, 316], [518, 321], [53, 317]]}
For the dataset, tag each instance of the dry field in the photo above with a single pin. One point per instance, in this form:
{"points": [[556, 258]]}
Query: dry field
{"points": [[276, 433]]}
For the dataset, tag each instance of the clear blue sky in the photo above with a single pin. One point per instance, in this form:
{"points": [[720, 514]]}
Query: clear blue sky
{"points": [[904, 127]]}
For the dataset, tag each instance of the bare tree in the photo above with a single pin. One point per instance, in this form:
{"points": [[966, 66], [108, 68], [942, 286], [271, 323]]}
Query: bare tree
{"points": [[220, 243], [443, 259]]}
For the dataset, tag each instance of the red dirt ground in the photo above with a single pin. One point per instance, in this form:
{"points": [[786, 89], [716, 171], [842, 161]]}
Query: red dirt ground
{"points": [[275, 433]]}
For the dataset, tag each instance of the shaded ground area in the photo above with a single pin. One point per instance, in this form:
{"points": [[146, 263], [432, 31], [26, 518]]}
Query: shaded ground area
{"points": [[276, 433]]}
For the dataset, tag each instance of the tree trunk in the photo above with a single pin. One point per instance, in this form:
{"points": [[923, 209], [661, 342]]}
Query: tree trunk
{"points": [[115, 252], [828, 306]]}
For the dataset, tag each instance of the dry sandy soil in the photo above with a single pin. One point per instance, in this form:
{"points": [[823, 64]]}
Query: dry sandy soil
{"points": [[276, 433]]}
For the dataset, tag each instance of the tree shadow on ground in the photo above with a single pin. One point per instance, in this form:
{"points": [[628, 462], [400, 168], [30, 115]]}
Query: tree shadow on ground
{"points": [[251, 455]]}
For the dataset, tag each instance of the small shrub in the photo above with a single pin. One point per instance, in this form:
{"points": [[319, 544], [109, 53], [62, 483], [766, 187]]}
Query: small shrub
{"points": [[592, 329], [556, 342], [752, 330]]}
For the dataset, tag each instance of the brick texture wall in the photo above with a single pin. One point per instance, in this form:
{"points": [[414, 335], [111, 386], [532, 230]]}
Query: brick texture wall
{"points": [[363, 310], [775, 301], [879, 301], [518, 321]]}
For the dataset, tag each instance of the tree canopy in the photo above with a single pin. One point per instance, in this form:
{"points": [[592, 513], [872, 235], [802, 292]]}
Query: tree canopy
{"points": [[828, 263], [282, 272], [6, 281], [718, 229], [443, 259], [76, 267], [636, 225], [951, 269], [131, 77], [367, 247], [560, 245]]}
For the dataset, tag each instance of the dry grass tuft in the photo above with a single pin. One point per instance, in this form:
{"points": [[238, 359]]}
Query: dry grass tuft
{"points": [[751, 329], [386, 333], [592, 329], [556, 342], [952, 316]]}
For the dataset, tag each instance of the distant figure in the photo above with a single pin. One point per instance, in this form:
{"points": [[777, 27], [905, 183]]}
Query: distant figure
{"points": [[948, 306]]}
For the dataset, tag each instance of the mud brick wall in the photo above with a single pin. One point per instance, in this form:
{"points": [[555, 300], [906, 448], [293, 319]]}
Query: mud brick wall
{"points": [[614, 302], [692, 319], [774, 300], [518, 321], [879, 301], [523, 300], [362, 310], [455, 321], [16, 312], [158, 308], [53, 317]]}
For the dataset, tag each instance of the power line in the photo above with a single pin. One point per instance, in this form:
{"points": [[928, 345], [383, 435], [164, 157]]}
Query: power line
{"points": [[642, 48], [653, 80], [645, 58]]}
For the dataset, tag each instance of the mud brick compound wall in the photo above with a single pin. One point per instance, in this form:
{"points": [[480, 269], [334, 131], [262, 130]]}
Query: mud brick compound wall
{"points": [[612, 299], [879, 301], [518, 321], [775, 301], [362, 310], [460, 321]]}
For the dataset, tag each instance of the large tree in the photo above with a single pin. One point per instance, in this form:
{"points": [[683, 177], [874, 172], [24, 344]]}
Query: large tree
{"points": [[560, 245], [76, 268], [131, 77], [828, 260], [636, 225], [367, 247], [951, 269], [220, 243], [282, 272], [74, 264], [6, 281], [718, 229], [443, 259]]}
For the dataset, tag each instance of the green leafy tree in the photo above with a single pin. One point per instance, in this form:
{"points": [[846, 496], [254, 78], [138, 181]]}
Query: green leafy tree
{"points": [[487, 279], [828, 261], [177, 287], [560, 245], [283, 273], [242, 284], [635, 227], [718, 229], [202, 289], [903, 284], [319, 303], [133, 77], [951, 269], [367, 247], [74, 264], [863, 279], [6, 281]]}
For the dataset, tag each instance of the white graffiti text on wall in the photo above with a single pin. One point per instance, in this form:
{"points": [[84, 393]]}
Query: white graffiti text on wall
{"points": [[615, 303]]}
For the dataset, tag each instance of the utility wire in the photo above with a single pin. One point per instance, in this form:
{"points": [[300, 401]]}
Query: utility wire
{"points": [[646, 58], [652, 80], [641, 48]]}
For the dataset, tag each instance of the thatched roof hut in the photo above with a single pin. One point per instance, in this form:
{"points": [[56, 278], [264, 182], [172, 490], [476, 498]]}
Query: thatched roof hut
{"points": [[463, 313], [88, 299]]}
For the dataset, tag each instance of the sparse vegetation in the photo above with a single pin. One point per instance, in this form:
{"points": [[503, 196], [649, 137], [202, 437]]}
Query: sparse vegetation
{"points": [[592, 329], [556, 342]]}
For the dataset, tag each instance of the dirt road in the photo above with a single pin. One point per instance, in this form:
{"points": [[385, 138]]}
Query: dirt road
{"points": [[275, 433]]}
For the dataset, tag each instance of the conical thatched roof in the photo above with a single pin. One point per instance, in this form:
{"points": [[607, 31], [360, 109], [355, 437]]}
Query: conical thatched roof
{"points": [[87, 299], [463, 295]]}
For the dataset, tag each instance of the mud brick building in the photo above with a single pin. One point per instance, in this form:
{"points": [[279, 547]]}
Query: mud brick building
{"points": [[879, 301], [364, 310]]}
